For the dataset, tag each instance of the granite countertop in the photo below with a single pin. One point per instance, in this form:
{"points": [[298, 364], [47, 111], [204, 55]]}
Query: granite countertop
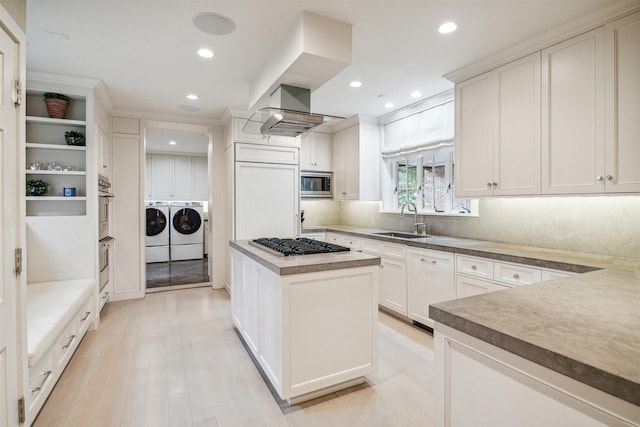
{"points": [[287, 265], [584, 326]]}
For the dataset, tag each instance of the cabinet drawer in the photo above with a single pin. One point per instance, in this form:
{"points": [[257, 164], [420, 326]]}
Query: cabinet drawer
{"points": [[313, 236], [513, 274], [371, 247], [40, 385], [84, 318], [351, 242], [477, 267], [470, 286], [554, 274], [390, 250], [65, 346], [334, 238]]}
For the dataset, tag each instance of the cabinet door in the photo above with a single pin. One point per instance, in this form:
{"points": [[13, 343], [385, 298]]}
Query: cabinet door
{"points": [[430, 280], [474, 137], [321, 151], [161, 177], [516, 148], [147, 177], [200, 179], [573, 115], [104, 152], [622, 155], [469, 286], [306, 156], [393, 285], [352, 165], [339, 166], [182, 178]]}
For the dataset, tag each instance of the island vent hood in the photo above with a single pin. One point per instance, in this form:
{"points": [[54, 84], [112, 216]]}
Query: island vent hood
{"points": [[289, 113]]}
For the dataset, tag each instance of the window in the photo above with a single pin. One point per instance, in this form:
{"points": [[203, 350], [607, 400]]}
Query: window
{"points": [[427, 180]]}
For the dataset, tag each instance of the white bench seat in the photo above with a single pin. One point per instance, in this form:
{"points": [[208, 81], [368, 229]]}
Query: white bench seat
{"points": [[51, 306]]}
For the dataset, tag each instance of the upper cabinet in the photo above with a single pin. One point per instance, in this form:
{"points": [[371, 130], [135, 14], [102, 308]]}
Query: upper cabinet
{"points": [[315, 152], [498, 131], [356, 162], [573, 115], [104, 151], [563, 120], [176, 178], [622, 102]]}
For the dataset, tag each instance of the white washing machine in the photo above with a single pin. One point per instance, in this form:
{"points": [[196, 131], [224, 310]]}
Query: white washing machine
{"points": [[187, 231], [157, 239]]}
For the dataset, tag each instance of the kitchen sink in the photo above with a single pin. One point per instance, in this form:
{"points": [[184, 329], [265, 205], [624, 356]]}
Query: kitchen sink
{"points": [[400, 235]]}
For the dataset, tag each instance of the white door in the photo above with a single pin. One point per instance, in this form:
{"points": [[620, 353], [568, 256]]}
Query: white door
{"points": [[161, 177], [182, 178], [9, 218]]}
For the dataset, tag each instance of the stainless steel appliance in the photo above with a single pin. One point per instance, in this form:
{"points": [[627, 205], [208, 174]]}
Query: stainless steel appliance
{"points": [[316, 184], [299, 246], [105, 241]]}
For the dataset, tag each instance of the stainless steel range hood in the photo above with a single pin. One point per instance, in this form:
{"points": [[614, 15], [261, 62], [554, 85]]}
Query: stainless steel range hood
{"points": [[289, 113]]}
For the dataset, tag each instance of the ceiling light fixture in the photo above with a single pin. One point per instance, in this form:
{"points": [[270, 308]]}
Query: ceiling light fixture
{"points": [[192, 96], [205, 53], [172, 143], [355, 84], [389, 105], [416, 94], [447, 27], [213, 23]]}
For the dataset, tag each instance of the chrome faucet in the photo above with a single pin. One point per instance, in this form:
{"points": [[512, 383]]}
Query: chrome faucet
{"points": [[418, 227]]}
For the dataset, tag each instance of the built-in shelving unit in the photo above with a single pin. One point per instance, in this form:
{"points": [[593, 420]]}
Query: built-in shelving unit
{"points": [[45, 146]]}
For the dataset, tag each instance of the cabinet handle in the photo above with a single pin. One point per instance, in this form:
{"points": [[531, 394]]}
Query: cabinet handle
{"points": [[344, 192], [488, 185], [598, 177], [609, 178], [495, 185], [44, 380], [86, 316], [71, 338], [516, 276], [381, 266], [424, 260], [106, 295], [474, 268]]}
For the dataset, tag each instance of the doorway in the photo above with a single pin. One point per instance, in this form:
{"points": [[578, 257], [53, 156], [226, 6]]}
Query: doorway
{"points": [[176, 206]]}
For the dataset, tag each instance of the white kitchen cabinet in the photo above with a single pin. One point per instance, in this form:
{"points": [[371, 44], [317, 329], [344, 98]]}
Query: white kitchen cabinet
{"points": [[356, 162], [147, 177], [200, 179], [498, 131], [430, 279], [171, 177], [104, 149], [622, 100], [573, 112], [315, 152], [470, 286], [352, 243], [336, 239], [393, 285]]}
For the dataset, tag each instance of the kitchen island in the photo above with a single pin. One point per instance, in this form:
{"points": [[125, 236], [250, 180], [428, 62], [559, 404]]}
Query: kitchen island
{"points": [[310, 321]]}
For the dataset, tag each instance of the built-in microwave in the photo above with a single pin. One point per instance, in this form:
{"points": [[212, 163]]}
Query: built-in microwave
{"points": [[316, 184]]}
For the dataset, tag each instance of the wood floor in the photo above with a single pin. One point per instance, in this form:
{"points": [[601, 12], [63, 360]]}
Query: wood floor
{"points": [[173, 359]]}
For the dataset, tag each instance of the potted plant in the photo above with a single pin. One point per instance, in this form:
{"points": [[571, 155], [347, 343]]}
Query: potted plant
{"points": [[74, 137], [37, 187], [56, 104]]}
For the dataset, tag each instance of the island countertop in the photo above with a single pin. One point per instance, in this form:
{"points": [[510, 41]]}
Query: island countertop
{"points": [[286, 265]]}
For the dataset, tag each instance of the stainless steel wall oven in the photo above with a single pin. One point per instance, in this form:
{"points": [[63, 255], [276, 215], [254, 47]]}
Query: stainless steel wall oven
{"points": [[104, 239]]}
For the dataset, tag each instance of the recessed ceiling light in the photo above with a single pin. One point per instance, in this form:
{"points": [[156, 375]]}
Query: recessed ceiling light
{"points": [[205, 53], [416, 94], [355, 84], [389, 105], [172, 143], [192, 96], [447, 27], [213, 23]]}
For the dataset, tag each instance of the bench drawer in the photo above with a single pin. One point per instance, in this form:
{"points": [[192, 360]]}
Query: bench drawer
{"points": [[84, 317], [65, 346], [40, 385]]}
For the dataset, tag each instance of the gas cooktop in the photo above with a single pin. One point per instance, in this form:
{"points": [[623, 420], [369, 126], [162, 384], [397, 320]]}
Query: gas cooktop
{"points": [[299, 246]]}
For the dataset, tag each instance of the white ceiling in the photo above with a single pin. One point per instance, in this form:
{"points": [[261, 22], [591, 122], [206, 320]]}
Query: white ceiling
{"points": [[157, 140], [145, 51]]}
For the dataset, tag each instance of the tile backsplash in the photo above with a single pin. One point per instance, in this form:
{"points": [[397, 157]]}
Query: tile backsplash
{"points": [[607, 225]]}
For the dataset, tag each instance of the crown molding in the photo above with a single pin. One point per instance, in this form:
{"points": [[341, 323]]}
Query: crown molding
{"points": [[544, 40], [418, 107]]}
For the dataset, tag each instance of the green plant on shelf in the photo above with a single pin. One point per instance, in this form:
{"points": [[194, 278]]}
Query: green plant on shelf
{"points": [[74, 137], [37, 187], [53, 95]]}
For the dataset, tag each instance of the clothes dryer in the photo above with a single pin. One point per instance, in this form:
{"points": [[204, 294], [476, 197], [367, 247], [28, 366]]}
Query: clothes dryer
{"points": [[187, 231], [157, 238]]}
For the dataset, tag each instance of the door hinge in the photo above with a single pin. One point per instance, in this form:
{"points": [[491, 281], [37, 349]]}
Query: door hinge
{"points": [[17, 95], [21, 410], [18, 261]]}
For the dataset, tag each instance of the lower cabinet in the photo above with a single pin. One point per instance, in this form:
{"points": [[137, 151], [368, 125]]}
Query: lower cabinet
{"points": [[393, 285], [430, 280]]}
